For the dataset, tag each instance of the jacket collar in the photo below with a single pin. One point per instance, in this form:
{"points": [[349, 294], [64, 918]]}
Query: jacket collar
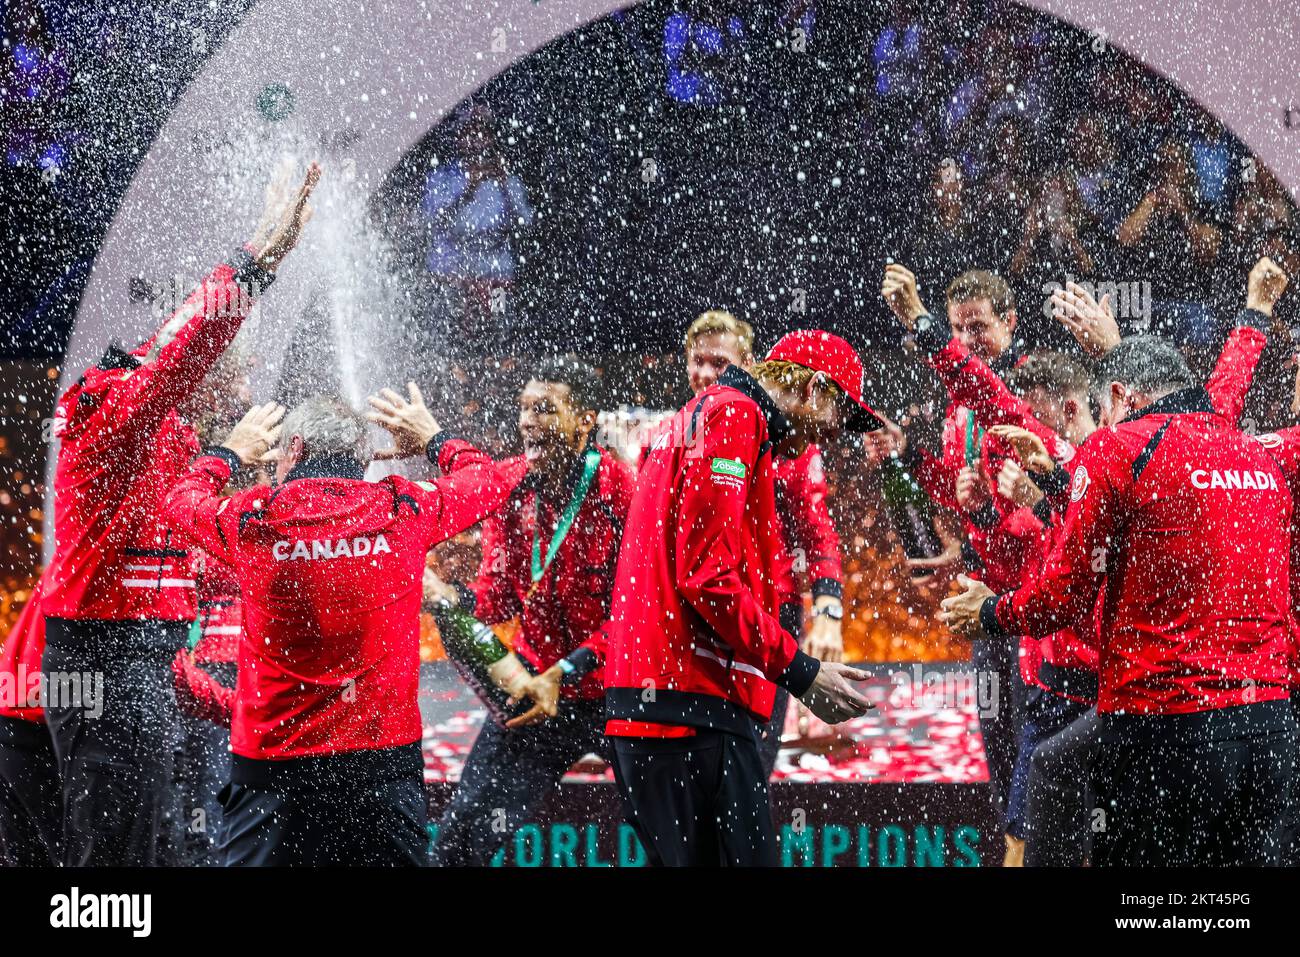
{"points": [[779, 427], [326, 466], [1195, 399], [115, 357]]}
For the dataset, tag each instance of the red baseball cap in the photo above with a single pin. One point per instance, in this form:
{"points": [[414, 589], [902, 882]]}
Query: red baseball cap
{"points": [[827, 353]]}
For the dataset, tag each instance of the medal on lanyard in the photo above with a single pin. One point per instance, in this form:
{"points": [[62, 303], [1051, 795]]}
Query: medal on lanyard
{"points": [[590, 464]]}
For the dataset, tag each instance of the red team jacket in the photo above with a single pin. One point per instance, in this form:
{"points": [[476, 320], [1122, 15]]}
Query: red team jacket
{"points": [[1023, 537], [330, 570], [220, 623], [563, 615], [1284, 446], [694, 637], [809, 532], [20, 662], [122, 447], [1184, 520]]}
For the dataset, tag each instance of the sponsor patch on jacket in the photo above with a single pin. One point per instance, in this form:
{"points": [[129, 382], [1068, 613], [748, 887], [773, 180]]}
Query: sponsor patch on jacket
{"points": [[359, 547], [728, 472], [1079, 487], [1232, 478], [1270, 440]]}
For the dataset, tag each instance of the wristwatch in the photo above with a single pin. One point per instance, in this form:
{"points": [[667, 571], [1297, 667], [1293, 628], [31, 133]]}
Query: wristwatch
{"points": [[835, 611], [924, 323]]}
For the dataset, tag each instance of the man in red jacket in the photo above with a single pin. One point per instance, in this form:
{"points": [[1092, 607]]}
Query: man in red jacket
{"points": [[548, 560], [1057, 818], [696, 650], [1184, 522], [119, 591], [714, 341], [981, 322], [325, 737]]}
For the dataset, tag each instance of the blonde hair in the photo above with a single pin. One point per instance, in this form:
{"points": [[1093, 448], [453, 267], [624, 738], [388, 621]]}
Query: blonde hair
{"points": [[719, 321], [791, 375]]}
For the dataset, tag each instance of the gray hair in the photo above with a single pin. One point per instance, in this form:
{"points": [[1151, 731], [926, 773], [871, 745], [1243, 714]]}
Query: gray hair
{"points": [[1146, 364], [327, 427]]}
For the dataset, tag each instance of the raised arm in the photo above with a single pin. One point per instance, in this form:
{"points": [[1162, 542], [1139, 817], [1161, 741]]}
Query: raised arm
{"points": [[472, 486], [189, 343], [1230, 381]]}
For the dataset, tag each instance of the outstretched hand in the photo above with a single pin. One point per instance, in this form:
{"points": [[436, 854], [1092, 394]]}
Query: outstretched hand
{"points": [[287, 211], [254, 438], [1092, 323], [410, 422], [961, 613], [832, 696], [1265, 285], [1029, 448]]}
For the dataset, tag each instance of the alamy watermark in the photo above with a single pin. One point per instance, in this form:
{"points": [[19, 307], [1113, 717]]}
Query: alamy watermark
{"points": [[925, 688], [68, 690], [1128, 300]]}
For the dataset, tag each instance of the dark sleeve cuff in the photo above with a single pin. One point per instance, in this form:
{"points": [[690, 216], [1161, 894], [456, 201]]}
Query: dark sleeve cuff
{"points": [[251, 276], [799, 676], [226, 455], [1043, 510], [1054, 482], [791, 617], [1254, 319], [934, 338], [989, 618], [434, 449], [466, 600], [830, 587], [583, 661]]}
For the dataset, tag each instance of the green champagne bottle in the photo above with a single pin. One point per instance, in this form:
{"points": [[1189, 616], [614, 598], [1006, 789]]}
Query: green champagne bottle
{"points": [[909, 511], [473, 649]]}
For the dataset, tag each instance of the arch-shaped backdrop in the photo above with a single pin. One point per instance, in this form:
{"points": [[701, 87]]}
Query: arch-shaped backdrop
{"points": [[412, 61]]}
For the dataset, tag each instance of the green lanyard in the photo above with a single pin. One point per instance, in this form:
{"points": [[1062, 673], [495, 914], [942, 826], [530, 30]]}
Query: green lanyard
{"points": [[974, 435], [589, 466]]}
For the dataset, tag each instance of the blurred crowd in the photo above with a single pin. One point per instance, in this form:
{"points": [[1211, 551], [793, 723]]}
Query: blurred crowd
{"points": [[825, 139]]}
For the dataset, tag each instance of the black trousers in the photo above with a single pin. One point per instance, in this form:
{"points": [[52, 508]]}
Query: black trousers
{"points": [[1043, 715], [1289, 835], [996, 667], [205, 770], [697, 802], [31, 809], [118, 742], [508, 775], [1059, 811], [769, 741], [1204, 789], [365, 809]]}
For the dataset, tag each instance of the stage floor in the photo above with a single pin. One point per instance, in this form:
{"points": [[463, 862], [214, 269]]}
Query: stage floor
{"points": [[923, 730]]}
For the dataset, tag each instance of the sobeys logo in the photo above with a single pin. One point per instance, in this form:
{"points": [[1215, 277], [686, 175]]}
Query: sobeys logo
{"points": [[729, 467]]}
